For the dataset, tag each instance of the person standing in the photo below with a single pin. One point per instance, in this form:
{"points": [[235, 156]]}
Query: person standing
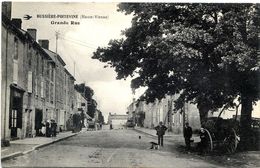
{"points": [[160, 129], [187, 135], [203, 141], [48, 129]]}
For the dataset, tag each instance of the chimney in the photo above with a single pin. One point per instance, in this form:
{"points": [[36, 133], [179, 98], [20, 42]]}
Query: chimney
{"points": [[17, 23], [44, 43], [32, 33], [7, 9]]}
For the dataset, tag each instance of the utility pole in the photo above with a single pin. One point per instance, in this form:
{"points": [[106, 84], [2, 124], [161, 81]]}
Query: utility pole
{"points": [[57, 33], [74, 68]]}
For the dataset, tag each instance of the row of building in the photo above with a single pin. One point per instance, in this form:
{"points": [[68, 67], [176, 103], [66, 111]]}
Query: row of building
{"points": [[35, 84], [149, 115]]}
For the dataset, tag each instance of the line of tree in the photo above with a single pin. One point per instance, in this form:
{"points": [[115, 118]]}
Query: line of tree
{"points": [[207, 53]]}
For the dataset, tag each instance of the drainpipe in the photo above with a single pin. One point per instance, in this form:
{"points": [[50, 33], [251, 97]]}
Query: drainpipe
{"points": [[6, 87]]}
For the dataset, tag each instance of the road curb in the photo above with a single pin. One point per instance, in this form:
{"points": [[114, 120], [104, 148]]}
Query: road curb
{"points": [[35, 148], [12, 155]]}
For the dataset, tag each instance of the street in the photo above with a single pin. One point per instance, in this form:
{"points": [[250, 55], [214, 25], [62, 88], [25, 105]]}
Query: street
{"points": [[107, 148]]}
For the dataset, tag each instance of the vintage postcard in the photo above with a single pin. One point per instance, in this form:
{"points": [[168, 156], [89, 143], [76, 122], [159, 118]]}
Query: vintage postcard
{"points": [[117, 84]]}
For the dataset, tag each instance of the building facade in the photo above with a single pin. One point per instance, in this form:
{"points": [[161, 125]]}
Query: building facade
{"points": [[35, 85], [149, 115]]}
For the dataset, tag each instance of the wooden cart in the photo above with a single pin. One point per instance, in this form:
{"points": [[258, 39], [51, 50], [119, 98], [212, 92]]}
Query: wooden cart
{"points": [[221, 134]]}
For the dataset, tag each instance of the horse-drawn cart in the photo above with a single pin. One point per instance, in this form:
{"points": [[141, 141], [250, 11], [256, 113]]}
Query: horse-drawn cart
{"points": [[221, 134]]}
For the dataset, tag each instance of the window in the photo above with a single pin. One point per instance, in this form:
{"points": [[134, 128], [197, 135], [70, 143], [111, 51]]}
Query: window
{"points": [[14, 118]]}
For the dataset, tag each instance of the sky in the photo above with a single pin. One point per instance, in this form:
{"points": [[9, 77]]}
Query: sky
{"points": [[76, 44]]}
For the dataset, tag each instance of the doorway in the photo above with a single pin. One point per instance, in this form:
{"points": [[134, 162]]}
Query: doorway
{"points": [[15, 115], [38, 121]]}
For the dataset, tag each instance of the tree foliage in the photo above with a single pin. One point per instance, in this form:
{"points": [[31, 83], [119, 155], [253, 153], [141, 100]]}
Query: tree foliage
{"points": [[207, 53], [92, 106], [88, 93]]}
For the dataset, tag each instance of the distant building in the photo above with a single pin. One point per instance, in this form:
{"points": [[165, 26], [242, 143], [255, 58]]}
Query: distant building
{"points": [[117, 120]]}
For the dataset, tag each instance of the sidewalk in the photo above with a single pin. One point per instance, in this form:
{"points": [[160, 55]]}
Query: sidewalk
{"points": [[27, 145], [167, 136]]}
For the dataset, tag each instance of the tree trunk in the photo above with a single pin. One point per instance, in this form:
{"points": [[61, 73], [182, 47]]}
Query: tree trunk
{"points": [[203, 110], [245, 122]]}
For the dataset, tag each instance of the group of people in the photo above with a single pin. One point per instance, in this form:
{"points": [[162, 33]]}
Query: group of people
{"points": [[49, 129], [160, 131], [203, 138]]}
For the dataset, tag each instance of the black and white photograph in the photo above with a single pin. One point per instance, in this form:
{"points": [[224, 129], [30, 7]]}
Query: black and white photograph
{"points": [[130, 84]]}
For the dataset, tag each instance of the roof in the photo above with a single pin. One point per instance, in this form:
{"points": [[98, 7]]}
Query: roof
{"points": [[50, 53], [53, 56], [22, 35], [72, 77]]}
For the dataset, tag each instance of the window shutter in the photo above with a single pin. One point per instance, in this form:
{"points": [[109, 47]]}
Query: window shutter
{"points": [[15, 71], [42, 85], [29, 82], [36, 86]]}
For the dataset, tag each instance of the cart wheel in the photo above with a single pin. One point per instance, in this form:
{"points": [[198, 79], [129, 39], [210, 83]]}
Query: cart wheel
{"points": [[231, 142], [210, 142]]}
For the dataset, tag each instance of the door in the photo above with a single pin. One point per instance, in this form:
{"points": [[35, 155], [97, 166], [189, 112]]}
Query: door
{"points": [[15, 116], [38, 121]]}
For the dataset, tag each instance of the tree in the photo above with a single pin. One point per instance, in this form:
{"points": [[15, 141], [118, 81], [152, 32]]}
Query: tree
{"points": [[88, 92], [92, 106], [100, 117], [204, 52]]}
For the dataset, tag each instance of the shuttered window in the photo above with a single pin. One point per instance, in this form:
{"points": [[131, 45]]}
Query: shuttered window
{"points": [[15, 71], [47, 91], [29, 82], [15, 49], [51, 93], [42, 89], [36, 86]]}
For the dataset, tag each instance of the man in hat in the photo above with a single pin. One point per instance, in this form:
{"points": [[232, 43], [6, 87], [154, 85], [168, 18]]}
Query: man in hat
{"points": [[187, 135], [160, 129]]}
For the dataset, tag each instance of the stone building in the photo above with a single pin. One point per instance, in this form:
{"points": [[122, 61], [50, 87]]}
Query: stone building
{"points": [[35, 85], [149, 115], [23, 77], [69, 97], [131, 111], [61, 92], [118, 121], [81, 105]]}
